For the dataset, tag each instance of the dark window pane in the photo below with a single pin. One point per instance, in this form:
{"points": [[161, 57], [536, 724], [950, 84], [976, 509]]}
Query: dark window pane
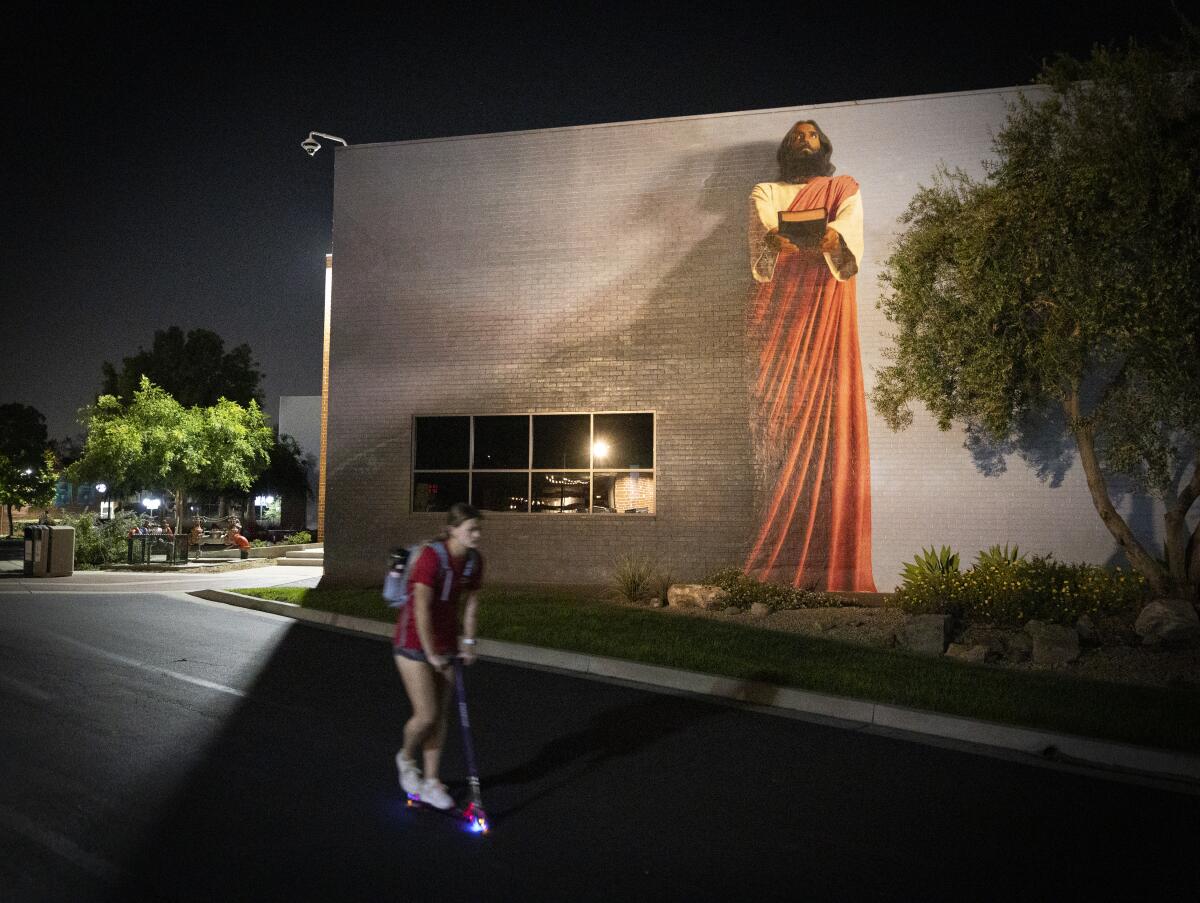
{"points": [[560, 492], [442, 443], [500, 491], [561, 440], [624, 440], [623, 493], [438, 491], [501, 442]]}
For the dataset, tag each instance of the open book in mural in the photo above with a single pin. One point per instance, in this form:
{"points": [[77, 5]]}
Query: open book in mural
{"points": [[809, 419]]}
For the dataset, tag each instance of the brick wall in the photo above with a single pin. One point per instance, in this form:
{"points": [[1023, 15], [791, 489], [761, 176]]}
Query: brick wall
{"points": [[603, 268]]}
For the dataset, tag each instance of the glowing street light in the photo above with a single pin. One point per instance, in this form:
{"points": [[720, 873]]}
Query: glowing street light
{"points": [[600, 449]]}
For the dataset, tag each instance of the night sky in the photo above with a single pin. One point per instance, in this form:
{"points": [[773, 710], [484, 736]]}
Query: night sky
{"points": [[155, 176]]}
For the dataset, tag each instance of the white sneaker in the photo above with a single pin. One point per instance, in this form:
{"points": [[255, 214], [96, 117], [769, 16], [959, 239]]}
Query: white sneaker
{"points": [[434, 793], [410, 775]]}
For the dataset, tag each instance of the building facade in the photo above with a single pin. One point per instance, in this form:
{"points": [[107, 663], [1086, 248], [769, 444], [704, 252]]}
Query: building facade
{"points": [[560, 325]]}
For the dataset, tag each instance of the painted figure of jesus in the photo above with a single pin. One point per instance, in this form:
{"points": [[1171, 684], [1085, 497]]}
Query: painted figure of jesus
{"points": [[810, 419]]}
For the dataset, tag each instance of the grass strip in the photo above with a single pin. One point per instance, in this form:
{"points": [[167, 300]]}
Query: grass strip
{"points": [[1147, 716]]}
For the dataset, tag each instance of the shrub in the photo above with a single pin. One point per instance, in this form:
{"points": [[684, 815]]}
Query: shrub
{"points": [[98, 544], [259, 543], [744, 591], [999, 556], [300, 537], [1008, 590], [636, 577], [931, 563]]}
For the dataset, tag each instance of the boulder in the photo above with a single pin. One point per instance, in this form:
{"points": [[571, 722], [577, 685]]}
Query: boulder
{"points": [[925, 634], [1088, 634], [993, 639], [1018, 647], [759, 609], [1053, 644], [1169, 622], [965, 653], [697, 595]]}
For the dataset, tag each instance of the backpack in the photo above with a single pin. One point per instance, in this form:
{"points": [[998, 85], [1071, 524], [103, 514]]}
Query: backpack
{"points": [[395, 582]]}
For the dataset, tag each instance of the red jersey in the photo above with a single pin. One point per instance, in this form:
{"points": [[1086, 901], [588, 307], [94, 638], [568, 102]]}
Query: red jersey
{"points": [[444, 609]]}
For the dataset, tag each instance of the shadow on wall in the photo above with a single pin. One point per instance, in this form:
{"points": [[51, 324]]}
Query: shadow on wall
{"points": [[1046, 446], [677, 308]]}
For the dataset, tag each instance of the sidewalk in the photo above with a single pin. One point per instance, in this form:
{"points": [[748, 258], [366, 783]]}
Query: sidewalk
{"points": [[859, 714]]}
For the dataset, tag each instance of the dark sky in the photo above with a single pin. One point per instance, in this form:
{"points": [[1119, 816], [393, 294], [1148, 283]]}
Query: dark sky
{"points": [[155, 176]]}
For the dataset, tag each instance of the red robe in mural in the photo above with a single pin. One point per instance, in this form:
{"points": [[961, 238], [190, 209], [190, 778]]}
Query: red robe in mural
{"points": [[810, 421]]}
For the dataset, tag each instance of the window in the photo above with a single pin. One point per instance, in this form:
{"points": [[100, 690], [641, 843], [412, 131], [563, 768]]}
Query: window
{"points": [[542, 463]]}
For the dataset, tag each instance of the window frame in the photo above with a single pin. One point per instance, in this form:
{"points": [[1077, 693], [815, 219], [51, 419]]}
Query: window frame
{"points": [[530, 470]]}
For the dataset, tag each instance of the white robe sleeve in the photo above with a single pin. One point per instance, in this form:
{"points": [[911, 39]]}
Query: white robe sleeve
{"points": [[763, 216], [849, 224]]}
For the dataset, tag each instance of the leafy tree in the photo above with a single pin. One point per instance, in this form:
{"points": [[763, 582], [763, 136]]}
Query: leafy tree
{"points": [[286, 474], [154, 441], [194, 369], [22, 485], [1066, 284], [26, 464]]}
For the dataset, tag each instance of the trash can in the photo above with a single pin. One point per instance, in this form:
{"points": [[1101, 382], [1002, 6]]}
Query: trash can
{"points": [[35, 551], [49, 551], [60, 551]]}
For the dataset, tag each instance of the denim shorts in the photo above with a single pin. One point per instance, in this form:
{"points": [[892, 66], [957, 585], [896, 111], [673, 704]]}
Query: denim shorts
{"points": [[415, 655]]}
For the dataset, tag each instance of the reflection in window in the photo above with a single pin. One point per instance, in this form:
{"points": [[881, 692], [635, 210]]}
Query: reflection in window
{"points": [[442, 443], [562, 440], [623, 440], [560, 493], [623, 493], [551, 463], [500, 491], [438, 491], [501, 443]]}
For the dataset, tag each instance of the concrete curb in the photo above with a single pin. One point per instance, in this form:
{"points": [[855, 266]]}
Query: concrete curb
{"points": [[1046, 745]]}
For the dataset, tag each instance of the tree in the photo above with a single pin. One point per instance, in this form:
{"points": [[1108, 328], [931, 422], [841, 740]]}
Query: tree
{"points": [[194, 369], [154, 441], [286, 475], [1066, 284], [22, 485], [27, 467]]}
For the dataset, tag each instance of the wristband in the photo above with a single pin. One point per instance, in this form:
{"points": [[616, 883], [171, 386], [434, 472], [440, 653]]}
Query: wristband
{"points": [[468, 641]]}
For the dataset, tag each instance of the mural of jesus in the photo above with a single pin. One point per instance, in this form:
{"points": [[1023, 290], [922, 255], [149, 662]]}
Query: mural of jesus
{"points": [[810, 417]]}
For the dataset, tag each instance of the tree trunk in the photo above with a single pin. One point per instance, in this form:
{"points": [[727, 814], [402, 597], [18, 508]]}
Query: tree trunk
{"points": [[1188, 575], [8, 508], [1142, 561], [179, 499]]}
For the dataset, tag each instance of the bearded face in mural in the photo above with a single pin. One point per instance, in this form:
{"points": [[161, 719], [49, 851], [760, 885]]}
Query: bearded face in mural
{"points": [[810, 417]]}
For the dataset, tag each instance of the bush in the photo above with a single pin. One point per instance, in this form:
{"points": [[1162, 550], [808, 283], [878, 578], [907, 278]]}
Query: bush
{"points": [[300, 537], [932, 564], [744, 591], [1009, 590], [638, 577], [100, 544], [259, 543]]}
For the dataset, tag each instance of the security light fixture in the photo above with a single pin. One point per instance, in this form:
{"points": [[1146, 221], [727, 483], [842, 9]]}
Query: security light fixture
{"points": [[311, 145]]}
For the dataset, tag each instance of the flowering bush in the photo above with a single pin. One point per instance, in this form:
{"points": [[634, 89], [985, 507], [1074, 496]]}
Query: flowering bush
{"points": [[744, 591], [1011, 591]]}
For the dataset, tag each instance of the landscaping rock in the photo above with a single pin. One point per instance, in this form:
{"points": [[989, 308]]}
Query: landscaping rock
{"points": [[1053, 644], [759, 609], [925, 634], [1018, 647], [966, 653], [1088, 634], [1168, 622], [697, 595], [994, 639]]}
